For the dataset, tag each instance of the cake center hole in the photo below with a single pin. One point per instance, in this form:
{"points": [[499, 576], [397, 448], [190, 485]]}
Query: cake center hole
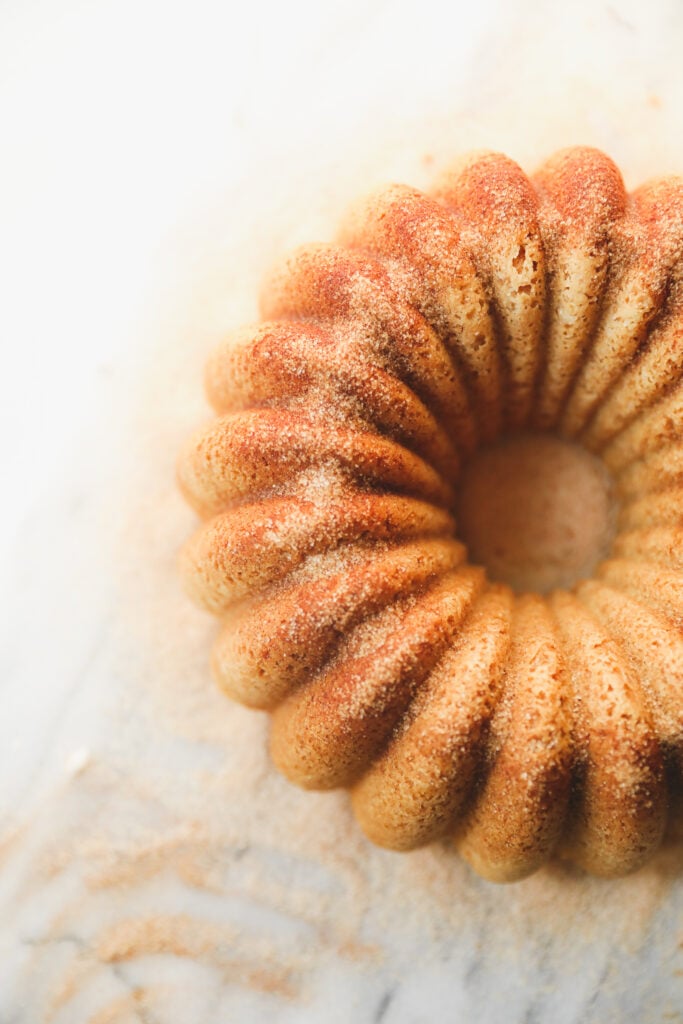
{"points": [[537, 512]]}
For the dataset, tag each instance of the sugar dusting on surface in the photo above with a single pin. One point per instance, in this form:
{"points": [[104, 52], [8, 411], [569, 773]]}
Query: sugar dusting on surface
{"points": [[185, 863]]}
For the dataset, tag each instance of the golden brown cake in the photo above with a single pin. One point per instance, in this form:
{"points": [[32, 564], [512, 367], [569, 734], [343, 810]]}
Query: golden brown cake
{"points": [[443, 504]]}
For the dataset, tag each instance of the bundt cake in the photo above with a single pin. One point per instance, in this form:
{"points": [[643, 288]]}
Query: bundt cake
{"points": [[443, 504]]}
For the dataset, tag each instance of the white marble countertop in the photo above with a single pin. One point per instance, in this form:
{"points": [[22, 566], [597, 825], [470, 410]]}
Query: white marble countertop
{"points": [[156, 157]]}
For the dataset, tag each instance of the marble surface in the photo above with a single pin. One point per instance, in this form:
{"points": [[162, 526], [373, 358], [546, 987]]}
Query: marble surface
{"points": [[153, 867]]}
